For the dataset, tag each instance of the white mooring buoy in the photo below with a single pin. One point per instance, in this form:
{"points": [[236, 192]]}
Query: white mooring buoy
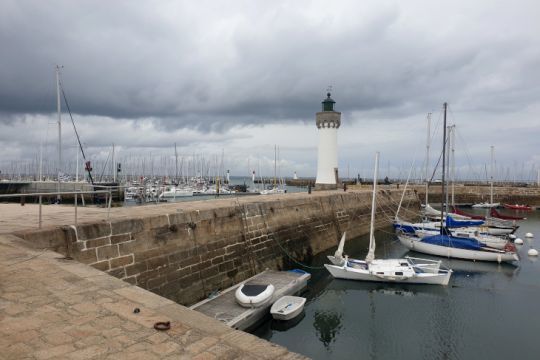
{"points": [[512, 236], [518, 241], [532, 252], [529, 235]]}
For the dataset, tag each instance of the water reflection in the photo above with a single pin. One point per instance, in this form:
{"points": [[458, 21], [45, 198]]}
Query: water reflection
{"points": [[327, 325], [280, 325], [353, 319], [341, 287], [481, 268]]}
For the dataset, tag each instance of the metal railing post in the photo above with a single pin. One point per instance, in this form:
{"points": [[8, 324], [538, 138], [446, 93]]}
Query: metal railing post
{"points": [[39, 220], [48, 194], [76, 210]]}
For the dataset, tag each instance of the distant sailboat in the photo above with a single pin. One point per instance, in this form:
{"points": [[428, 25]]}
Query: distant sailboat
{"points": [[489, 204], [275, 189]]}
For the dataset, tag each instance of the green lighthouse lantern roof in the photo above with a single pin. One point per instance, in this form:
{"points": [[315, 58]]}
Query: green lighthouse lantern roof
{"points": [[328, 103]]}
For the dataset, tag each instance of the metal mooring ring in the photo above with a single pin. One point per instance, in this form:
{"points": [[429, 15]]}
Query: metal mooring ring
{"points": [[162, 325]]}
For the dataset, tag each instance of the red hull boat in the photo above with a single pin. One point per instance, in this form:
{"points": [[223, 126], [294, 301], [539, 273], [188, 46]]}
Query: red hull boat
{"points": [[494, 213], [518, 207], [456, 210]]}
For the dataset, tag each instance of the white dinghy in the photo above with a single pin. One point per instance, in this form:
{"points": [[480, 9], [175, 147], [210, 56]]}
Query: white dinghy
{"points": [[254, 295], [287, 307], [407, 270]]}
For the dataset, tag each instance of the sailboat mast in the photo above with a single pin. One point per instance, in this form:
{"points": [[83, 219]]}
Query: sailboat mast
{"points": [[371, 253], [275, 164], [453, 173], [491, 176], [175, 164], [428, 141], [41, 161], [77, 163], [443, 185], [448, 162], [58, 110], [113, 164]]}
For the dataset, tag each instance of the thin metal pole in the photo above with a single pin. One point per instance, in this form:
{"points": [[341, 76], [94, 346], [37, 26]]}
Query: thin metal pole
{"points": [[448, 162], [371, 252], [77, 163], [275, 164], [453, 173], [175, 165], [40, 217], [491, 178], [58, 109], [443, 185], [76, 210], [41, 161], [109, 205], [113, 164], [428, 141]]}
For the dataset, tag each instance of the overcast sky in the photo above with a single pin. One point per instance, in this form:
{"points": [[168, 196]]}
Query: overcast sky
{"points": [[243, 76]]}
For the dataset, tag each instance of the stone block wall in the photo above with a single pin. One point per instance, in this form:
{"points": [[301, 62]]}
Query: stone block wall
{"points": [[464, 194], [185, 256]]}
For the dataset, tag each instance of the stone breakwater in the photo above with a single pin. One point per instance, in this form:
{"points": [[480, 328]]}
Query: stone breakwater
{"points": [[475, 194], [187, 253]]}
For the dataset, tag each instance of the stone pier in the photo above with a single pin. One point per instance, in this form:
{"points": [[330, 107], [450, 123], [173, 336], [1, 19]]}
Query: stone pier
{"points": [[158, 258]]}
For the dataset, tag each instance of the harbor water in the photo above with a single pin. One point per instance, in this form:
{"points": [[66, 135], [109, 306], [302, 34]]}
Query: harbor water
{"points": [[234, 180], [488, 311]]}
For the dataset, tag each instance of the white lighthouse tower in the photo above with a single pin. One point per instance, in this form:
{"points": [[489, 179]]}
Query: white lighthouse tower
{"points": [[328, 122]]}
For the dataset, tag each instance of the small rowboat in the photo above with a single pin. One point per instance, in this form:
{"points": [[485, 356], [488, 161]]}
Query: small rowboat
{"points": [[287, 307], [518, 207], [254, 295]]}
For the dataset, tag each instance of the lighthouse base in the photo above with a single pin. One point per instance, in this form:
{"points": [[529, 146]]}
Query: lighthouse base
{"points": [[320, 187]]}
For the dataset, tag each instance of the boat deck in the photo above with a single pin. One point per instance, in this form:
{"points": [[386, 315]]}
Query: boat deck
{"points": [[224, 308]]}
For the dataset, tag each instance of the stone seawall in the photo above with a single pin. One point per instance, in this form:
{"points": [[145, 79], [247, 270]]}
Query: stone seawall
{"points": [[186, 255], [475, 194]]}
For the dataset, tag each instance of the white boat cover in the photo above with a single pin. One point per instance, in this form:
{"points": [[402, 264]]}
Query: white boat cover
{"points": [[254, 295]]}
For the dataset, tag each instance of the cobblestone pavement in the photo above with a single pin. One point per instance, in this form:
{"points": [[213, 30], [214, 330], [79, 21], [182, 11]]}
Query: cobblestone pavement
{"points": [[53, 308]]}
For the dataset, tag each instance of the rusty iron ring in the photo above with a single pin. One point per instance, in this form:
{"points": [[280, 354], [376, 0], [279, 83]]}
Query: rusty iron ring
{"points": [[162, 325]]}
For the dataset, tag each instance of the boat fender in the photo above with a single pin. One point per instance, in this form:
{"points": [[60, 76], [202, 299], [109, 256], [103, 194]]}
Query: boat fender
{"points": [[509, 247]]}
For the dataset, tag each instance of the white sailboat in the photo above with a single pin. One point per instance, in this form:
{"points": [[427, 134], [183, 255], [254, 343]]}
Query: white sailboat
{"points": [[486, 239], [448, 245], [406, 270], [275, 189], [489, 204], [174, 192]]}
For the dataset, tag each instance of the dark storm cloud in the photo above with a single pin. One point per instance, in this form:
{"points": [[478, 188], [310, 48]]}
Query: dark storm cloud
{"points": [[209, 66], [210, 75]]}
